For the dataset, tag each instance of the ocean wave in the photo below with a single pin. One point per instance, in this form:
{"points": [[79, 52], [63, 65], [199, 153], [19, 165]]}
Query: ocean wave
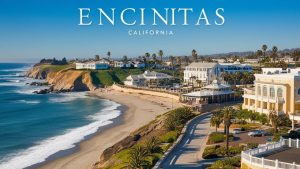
{"points": [[28, 101], [21, 69], [46, 148], [68, 97]]}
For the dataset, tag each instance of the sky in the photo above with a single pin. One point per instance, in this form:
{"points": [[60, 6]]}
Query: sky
{"points": [[33, 29]]}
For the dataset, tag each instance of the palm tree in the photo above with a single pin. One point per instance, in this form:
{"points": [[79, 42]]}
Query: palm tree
{"points": [[137, 157], [108, 54], [274, 53], [178, 61], [228, 115], [264, 49], [216, 120], [147, 56], [275, 120], [125, 59], [194, 55], [97, 57], [160, 54], [152, 145], [154, 58], [186, 60], [172, 59]]}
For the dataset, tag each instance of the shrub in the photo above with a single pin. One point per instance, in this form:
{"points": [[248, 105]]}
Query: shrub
{"points": [[151, 145], [169, 137], [178, 117], [220, 151], [210, 152], [235, 150], [252, 145], [216, 138], [233, 162]]}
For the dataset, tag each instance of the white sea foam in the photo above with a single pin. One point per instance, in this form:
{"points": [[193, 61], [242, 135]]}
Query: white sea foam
{"points": [[28, 101], [67, 97], [44, 149], [21, 69]]}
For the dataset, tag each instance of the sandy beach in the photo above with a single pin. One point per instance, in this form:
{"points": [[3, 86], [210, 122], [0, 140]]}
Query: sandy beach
{"points": [[140, 110]]}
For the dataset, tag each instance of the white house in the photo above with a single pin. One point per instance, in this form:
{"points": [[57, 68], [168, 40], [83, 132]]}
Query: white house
{"points": [[148, 79], [140, 65], [207, 71], [92, 65]]}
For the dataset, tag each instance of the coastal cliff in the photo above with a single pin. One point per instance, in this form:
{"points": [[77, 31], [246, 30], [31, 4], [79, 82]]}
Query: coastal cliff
{"points": [[63, 78]]}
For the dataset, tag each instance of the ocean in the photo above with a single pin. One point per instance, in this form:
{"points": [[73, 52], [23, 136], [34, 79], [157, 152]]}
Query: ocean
{"points": [[34, 127]]}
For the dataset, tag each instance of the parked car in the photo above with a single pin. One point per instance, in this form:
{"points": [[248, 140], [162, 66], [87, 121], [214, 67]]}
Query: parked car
{"points": [[255, 133], [237, 131], [259, 133]]}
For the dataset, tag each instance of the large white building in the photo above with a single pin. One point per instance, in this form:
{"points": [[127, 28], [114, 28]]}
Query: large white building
{"points": [[148, 79], [100, 65], [275, 89], [207, 72]]}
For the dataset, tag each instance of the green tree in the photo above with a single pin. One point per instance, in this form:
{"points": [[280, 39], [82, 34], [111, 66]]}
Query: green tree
{"points": [[154, 59], [108, 55], [216, 120], [125, 59], [152, 145], [194, 55], [160, 54], [275, 120], [97, 57], [227, 117], [274, 53], [264, 49], [137, 157], [186, 60]]}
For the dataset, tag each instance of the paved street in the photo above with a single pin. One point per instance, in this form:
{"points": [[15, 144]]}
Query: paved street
{"points": [[187, 153]]}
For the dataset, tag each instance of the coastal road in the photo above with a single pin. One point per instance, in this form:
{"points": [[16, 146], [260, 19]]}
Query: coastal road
{"points": [[187, 154]]}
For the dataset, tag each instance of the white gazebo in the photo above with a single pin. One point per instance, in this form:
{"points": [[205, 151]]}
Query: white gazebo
{"points": [[213, 93]]}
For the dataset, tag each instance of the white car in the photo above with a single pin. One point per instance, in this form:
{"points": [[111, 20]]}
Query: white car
{"points": [[237, 131]]}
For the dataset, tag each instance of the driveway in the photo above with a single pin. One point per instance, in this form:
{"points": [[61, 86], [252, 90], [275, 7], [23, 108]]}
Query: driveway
{"points": [[187, 153]]}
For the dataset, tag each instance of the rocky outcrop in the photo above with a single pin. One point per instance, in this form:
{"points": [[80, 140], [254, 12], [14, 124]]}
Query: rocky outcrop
{"points": [[63, 80], [71, 80], [37, 73]]}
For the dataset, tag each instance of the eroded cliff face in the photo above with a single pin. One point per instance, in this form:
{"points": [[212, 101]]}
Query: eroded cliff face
{"points": [[37, 73], [64, 80]]}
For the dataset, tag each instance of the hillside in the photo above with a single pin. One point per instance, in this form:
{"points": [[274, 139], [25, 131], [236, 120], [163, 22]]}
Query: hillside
{"points": [[67, 78]]}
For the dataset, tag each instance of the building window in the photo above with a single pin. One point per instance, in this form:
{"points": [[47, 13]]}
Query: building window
{"points": [[259, 90], [279, 92], [265, 91], [272, 92]]}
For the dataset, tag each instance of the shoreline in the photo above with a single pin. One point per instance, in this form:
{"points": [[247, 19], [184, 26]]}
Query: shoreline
{"points": [[137, 110]]}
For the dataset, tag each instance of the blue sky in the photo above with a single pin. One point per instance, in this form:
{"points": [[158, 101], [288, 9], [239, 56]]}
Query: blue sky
{"points": [[35, 29]]}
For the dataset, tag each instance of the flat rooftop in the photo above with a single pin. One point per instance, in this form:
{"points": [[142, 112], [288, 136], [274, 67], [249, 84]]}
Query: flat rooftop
{"points": [[288, 155]]}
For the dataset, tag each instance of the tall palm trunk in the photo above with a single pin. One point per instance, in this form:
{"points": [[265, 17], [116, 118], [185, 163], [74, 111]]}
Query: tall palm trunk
{"points": [[227, 140]]}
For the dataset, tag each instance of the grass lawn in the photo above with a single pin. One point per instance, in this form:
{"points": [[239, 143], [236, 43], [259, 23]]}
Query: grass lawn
{"points": [[55, 68], [108, 77]]}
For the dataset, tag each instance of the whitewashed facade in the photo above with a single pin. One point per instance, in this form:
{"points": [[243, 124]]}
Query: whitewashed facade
{"points": [[207, 72]]}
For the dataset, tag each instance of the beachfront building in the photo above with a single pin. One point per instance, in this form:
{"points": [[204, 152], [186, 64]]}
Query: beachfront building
{"points": [[122, 64], [207, 72], [213, 93], [148, 79], [99, 65], [275, 89]]}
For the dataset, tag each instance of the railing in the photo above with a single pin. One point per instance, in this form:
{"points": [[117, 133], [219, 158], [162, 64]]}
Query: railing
{"points": [[250, 155]]}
